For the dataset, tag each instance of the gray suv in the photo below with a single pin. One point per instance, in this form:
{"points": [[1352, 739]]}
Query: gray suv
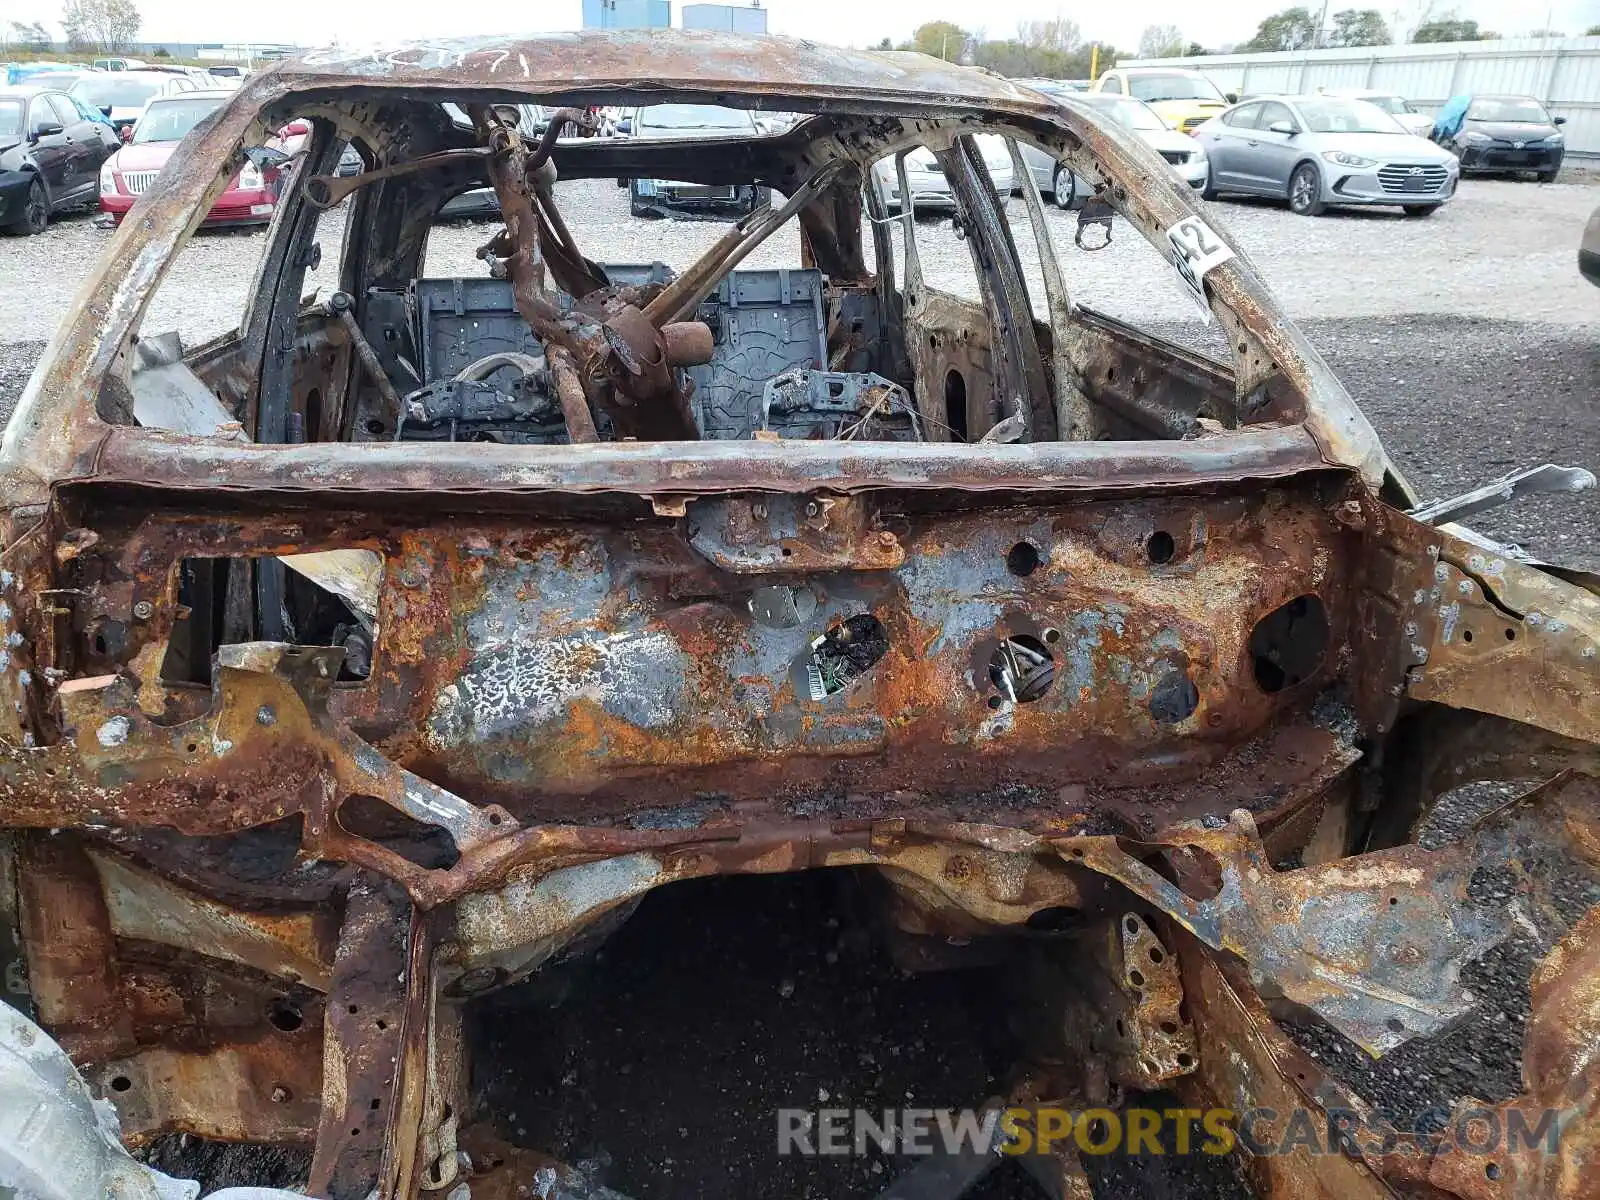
{"points": [[1317, 151]]}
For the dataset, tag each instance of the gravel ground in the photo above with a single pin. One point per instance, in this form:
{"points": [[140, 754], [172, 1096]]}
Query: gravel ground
{"points": [[1470, 341]]}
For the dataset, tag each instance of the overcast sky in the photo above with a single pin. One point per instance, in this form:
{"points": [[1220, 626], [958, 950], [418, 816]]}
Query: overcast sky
{"points": [[848, 22]]}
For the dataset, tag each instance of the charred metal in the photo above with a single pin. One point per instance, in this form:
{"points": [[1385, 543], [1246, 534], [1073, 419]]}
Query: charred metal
{"points": [[357, 664]]}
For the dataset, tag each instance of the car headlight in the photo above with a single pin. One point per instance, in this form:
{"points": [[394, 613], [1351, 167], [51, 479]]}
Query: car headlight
{"points": [[1555, 139], [1473, 138], [108, 181], [1348, 160], [250, 178], [1197, 153]]}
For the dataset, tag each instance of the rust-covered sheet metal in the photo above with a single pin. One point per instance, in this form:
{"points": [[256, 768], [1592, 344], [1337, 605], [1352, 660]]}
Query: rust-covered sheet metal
{"points": [[1129, 687]]}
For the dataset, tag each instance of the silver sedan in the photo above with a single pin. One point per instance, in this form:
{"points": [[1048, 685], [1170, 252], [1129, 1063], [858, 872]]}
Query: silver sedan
{"points": [[1318, 151]]}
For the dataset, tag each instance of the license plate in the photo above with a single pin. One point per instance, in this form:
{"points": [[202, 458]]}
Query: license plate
{"points": [[261, 210], [1519, 158]]}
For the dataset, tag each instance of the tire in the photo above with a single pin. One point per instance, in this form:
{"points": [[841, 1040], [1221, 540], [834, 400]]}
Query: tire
{"points": [[1064, 187], [1209, 192], [1305, 191], [1420, 210], [1549, 176], [35, 212]]}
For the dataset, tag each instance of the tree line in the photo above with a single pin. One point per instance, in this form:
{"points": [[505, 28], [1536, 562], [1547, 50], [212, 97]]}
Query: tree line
{"points": [[107, 26], [1057, 49]]}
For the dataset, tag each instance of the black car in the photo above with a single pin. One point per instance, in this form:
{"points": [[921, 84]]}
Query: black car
{"points": [[1508, 134], [51, 151]]}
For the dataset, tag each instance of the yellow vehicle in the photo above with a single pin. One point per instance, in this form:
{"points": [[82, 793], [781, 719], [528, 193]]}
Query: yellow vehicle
{"points": [[1183, 99]]}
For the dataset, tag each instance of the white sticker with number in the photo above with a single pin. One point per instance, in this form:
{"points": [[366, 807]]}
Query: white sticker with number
{"points": [[1196, 248]]}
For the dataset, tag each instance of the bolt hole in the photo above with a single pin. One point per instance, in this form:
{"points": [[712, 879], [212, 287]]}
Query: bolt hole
{"points": [[1185, 1060], [355, 1133], [375, 426], [121, 1083], [788, 553], [376, 1104], [1052, 636], [1174, 698], [1160, 547], [995, 702], [1022, 559], [286, 1017], [381, 1024], [1492, 1170], [1155, 954], [1466, 635], [354, 1009], [1122, 1030], [494, 818], [1169, 1027], [1131, 924], [102, 647], [192, 747], [1077, 852], [1136, 978], [281, 1094], [1511, 635], [1393, 900]]}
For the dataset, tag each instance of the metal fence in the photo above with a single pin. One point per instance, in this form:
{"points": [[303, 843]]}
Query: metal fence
{"points": [[1562, 72]]}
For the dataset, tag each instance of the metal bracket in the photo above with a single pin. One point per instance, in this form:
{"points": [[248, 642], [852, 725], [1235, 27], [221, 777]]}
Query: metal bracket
{"points": [[1534, 481]]}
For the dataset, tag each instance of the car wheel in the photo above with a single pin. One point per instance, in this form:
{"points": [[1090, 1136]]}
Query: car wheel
{"points": [[1549, 176], [1420, 210], [1209, 192], [35, 212], [1064, 187], [1305, 191]]}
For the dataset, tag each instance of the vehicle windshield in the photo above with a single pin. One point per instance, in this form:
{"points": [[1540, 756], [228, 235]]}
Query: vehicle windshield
{"points": [[1346, 116], [10, 118], [171, 120], [114, 91], [1174, 86], [1389, 104], [694, 116], [1135, 114], [1526, 111]]}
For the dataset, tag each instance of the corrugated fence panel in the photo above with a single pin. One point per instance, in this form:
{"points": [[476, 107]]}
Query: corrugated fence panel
{"points": [[1564, 73]]}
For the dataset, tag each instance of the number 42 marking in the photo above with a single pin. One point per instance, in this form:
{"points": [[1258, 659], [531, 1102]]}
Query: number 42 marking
{"points": [[1196, 248]]}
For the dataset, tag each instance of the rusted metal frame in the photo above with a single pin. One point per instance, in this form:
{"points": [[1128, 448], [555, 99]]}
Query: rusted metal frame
{"points": [[1074, 413], [160, 460], [1485, 632], [680, 298], [267, 1089], [1345, 439], [1014, 344], [1373, 944], [374, 1049], [1145, 368], [322, 192], [1246, 1062]]}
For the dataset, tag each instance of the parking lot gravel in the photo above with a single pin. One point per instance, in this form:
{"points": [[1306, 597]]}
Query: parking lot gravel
{"points": [[1470, 341]]}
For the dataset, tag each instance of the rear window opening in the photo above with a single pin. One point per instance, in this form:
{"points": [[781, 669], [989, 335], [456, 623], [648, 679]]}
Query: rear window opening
{"points": [[327, 598], [408, 327]]}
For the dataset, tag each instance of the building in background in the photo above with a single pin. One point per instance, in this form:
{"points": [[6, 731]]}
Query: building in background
{"points": [[627, 14], [729, 17]]}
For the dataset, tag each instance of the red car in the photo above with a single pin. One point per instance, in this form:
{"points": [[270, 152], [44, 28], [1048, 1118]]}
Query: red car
{"points": [[251, 196]]}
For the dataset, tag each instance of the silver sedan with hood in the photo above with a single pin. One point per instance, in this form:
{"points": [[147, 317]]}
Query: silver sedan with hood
{"points": [[1317, 151]]}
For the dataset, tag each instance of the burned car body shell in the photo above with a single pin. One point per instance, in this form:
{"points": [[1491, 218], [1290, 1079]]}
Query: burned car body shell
{"points": [[1179, 632]]}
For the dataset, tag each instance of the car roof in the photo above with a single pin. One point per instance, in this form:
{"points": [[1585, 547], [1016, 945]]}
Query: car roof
{"points": [[195, 94], [1506, 96], [28, 88], [1158, 71], [702, 65]]}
